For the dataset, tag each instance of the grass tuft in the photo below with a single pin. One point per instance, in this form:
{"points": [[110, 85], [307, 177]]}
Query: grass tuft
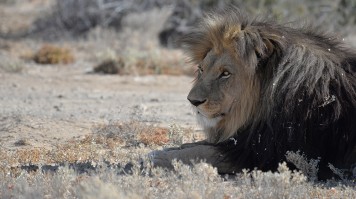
{"points": [[309, 168], [10, 64], [111, 66], [50, 54], [154, 136]]}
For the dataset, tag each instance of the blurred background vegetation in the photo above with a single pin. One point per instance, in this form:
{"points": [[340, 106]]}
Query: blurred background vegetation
{"points": [[138, 36], [75, 18]]}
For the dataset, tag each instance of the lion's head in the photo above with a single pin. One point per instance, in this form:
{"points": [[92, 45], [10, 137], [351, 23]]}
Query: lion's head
{"points": [[227, 89], [250, 70], [225, 92]]}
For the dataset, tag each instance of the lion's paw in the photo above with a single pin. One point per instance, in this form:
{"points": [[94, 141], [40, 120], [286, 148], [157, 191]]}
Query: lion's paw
{"points": [[160, 158]]}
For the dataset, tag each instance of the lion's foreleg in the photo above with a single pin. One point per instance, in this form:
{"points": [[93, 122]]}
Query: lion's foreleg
{"points": [[207, 153], [188, 145], [193, 144]]}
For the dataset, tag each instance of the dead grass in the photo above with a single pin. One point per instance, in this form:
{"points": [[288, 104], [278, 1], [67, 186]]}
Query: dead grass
{"points": [[10, 64], [111, 66], [50, 54], [155, 136], [200, 181], [115, 144], [308, 167], [109, 143]]}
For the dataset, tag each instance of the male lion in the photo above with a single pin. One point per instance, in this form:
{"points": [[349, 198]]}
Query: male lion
{"points": [[264, 89]]}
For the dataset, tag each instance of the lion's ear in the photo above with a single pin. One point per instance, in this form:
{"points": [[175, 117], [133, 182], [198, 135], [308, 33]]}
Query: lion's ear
{"points": [[268, 45], [264, 49]]}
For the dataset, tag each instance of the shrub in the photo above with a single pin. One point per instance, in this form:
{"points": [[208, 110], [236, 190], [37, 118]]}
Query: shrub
{"points": [[10, 64], [111, 66], [49, 54]]}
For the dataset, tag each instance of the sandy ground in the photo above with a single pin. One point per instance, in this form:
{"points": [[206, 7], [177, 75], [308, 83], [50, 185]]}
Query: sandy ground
{"points": [[47, 105]]}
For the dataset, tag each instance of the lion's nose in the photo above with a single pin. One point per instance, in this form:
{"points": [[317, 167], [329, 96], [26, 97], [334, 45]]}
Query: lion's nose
{"points": [[196, 102]]}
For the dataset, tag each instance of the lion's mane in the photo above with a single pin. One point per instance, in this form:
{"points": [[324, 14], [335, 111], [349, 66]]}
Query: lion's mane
{"points": [[307, 91]]}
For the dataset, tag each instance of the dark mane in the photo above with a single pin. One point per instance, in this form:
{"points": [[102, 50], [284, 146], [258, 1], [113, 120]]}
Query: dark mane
{"points": [[307, 97]]}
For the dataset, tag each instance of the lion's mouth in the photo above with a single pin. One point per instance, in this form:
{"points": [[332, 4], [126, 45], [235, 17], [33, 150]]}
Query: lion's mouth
{"points": [[209, 121], [213, 116]]}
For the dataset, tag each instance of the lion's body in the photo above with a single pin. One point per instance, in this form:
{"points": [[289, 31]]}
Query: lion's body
{"points": [[265, 89]]}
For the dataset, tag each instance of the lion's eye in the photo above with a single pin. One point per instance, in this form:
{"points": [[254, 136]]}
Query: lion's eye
{"points": [[225, 75]]}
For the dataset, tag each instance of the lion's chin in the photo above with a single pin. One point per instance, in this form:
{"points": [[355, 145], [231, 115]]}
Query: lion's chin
{"points": [[209, 122]]}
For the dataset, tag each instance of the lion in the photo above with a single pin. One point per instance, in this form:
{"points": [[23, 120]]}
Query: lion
{"points": [[263, 89]]}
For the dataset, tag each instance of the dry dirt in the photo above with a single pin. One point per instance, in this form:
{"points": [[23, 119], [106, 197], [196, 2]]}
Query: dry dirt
{"points": [[46, 105]]}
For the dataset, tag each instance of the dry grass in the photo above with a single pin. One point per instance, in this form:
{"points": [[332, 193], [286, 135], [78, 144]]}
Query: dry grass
{"points": [[111, 146], [111, 66], [308, 167], [110, 143], [10, 64], [50, 54], [156, 136], [200, 181]]}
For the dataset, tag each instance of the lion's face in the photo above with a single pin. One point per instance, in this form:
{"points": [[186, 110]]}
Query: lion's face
{"points": [[222, 93]]}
